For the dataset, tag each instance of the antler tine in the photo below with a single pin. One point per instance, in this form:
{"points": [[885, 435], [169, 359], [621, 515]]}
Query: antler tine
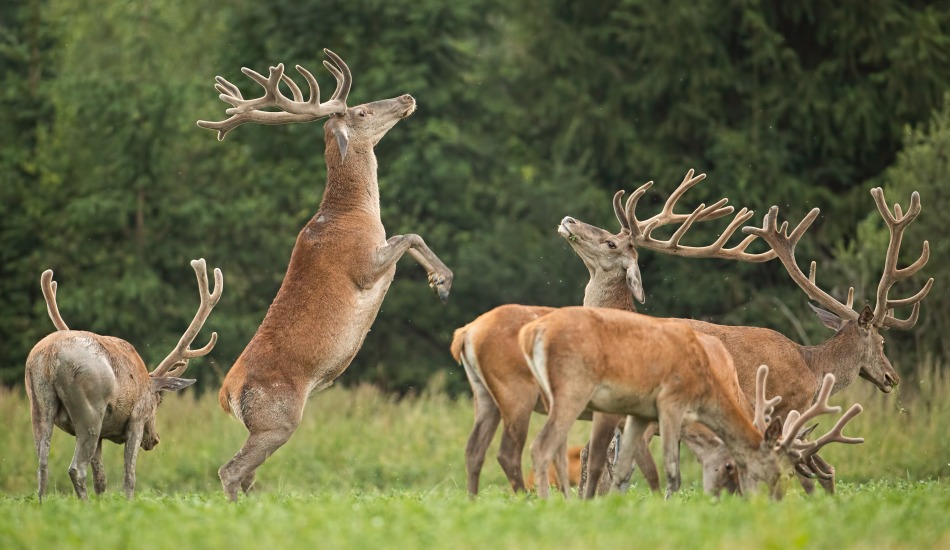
{"points": [[783, 244], [631, 209], [896, 224], [344, 84], [809, 448], [48, 285], [292, 110], [763, 407], [795, 422], [619, 211], [177, 361]]}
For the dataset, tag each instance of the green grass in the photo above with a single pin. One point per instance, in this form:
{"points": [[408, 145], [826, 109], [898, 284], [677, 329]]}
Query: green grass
{"points": [[366, 470]]}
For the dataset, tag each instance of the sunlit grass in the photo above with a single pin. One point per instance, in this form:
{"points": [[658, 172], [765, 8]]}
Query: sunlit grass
{"points": [[365, 469]]}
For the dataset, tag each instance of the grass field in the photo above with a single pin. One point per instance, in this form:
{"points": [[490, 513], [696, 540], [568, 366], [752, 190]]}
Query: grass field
{"points": [[367, 470]]}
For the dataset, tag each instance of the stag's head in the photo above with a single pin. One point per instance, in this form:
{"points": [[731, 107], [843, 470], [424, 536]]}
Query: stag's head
{"points": [[350, 128], [859, 332], [604, 252], [783, 449]]}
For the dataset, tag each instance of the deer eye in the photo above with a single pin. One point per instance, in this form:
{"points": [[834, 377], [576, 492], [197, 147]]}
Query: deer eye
{"points": [[611, 245], [729, 466]]}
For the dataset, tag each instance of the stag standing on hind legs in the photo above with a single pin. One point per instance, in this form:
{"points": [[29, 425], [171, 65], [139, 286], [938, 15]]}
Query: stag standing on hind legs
{"points": [[97, 387], [339, 272]]}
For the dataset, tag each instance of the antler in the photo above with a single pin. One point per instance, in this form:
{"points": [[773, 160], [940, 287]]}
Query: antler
{"points": [[763, 407], [177, 360], [641, 231], [783, 244], [296, 110], [792, 440], [49, 292], [896, 224]]}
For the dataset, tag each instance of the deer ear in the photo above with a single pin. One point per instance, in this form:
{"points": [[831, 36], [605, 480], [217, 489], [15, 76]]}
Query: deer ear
{"points": [[773, 433], [342, 139], [171, 383], [828, 318], [867, 316], [635, 283]]}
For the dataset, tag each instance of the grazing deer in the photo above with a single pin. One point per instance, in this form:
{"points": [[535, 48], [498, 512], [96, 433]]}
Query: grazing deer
{"points": [[488, 349], [857, 347], [340, 269], [596, 358], [97, 387]]}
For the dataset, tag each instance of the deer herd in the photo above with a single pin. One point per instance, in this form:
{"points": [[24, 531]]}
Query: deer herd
{"points": [[633, 376]]}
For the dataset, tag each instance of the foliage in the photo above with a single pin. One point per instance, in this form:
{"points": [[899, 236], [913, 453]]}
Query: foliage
{"points": [[528, 111]]}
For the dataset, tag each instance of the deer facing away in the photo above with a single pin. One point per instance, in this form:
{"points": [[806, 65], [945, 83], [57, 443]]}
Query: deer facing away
{"points": [[97, 387], [502, 384], [595, 357], [339, 272]]}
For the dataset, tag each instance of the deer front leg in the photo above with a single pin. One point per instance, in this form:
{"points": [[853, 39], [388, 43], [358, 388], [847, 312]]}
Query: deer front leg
{"points": [[132, 444], [440, 276], [98, 471]]}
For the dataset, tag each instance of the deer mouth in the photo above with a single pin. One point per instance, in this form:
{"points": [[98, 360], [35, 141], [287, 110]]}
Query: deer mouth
{"points": [[886, 386], [564, 228]]}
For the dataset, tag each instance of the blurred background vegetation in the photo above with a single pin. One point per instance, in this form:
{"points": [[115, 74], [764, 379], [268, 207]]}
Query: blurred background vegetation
{"points": [[529, 110]]}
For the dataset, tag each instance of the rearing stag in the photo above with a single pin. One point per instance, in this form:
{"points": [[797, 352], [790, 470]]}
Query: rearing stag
{"points": [[339, 271], [97, 387]]}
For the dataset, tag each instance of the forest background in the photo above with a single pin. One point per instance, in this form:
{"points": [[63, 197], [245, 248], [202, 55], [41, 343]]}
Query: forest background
{"points": [[529, 111]]}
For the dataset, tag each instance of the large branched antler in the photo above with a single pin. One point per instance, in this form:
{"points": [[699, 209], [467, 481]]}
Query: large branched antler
{"points": [[783, 244], [177, 361], [896, 224], [804, 452], [291, 110], [641, 231]]}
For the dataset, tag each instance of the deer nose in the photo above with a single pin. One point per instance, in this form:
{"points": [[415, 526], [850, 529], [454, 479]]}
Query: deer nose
{"points": [[892, 380], [568, 219], [408, 98]]}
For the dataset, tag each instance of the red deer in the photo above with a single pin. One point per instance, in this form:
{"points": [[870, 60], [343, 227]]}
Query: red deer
{"points": [[97, 387], [595, 358], [340, 269], [503, 387], [857, 347]]}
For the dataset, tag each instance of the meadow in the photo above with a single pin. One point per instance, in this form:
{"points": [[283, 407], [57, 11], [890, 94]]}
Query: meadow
{"points": [[367, 469]]}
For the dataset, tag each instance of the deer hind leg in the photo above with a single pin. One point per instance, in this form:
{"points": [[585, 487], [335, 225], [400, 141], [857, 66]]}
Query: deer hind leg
{"points": [[513, 438], [271, 420], [42, 414], [553, 437], [601, 432], [440, 276], [98, 471], [634, 449], [487, 418]]}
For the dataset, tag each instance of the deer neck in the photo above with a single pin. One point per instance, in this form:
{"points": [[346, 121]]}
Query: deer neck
{"points": [[608, 290], [351, 182], [727, 419], [838, 355]]}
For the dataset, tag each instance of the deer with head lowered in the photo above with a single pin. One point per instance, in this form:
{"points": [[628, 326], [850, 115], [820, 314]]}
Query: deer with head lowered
{"points": [[97, 387], [501, 381], [596, 358], [339, 272]]}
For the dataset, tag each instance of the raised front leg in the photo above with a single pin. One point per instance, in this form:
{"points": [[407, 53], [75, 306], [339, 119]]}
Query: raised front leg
{"points": [[440, 276]]}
